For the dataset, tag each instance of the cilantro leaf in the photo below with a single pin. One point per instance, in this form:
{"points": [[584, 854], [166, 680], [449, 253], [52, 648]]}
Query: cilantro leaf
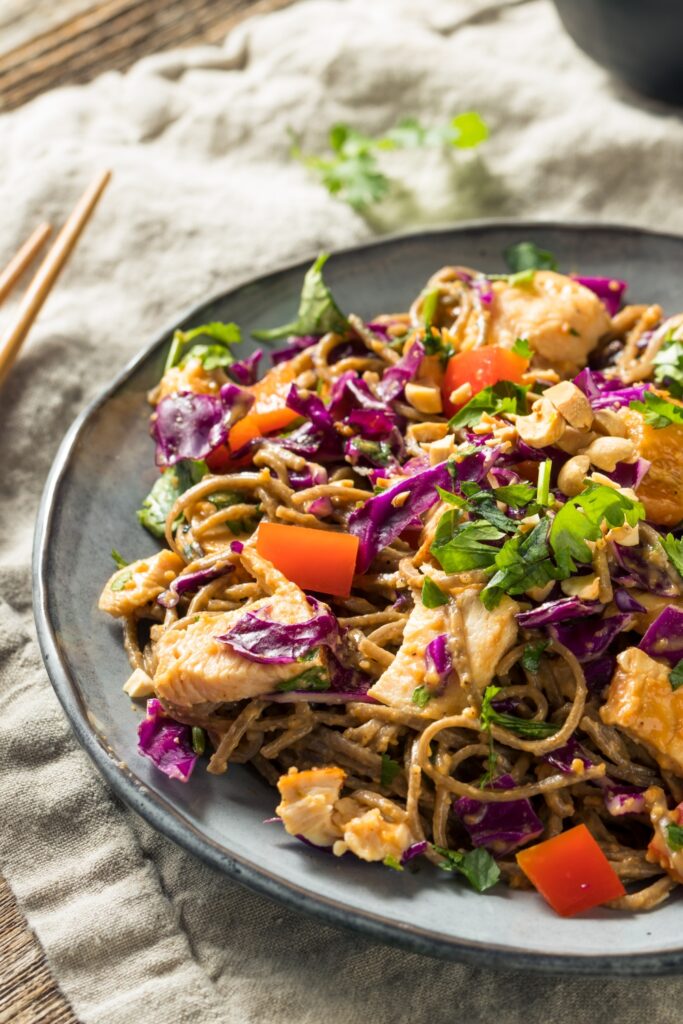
{"points": [[522, 348], [531, 658], [580, 520], [119, 560], [211, 356], [527, 728], [528, 256], [432, 596], [515, 495], [523, 562], [668, 364], [657, 412], [421, 696], [389, 770], [223, 334], [173, 482], [674, 837], [499, 398], [458, 547], [674, 549], [318, 312], [676, 676], [477, 866], [315, 678]]}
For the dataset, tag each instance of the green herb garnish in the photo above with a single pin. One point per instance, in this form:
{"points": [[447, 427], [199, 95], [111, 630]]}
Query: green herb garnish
{"points": [[318, 311], [515, 495], [543, 487], [676, 675], [531, 657], [224, 334], [499, 398], [173, 482], [523, 562], [674, 549], [674, 837], [460, 546], [421, 696], [351, 171], [528, 256], [522, 348], [657, 412], [392, 862], [524, 727], [477, 866], [668, 364], [198, 739], [388, 771], [432, 595], [580, 520]]}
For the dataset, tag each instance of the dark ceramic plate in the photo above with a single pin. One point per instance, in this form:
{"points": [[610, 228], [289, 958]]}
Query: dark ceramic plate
{"points": [[103, 469]]}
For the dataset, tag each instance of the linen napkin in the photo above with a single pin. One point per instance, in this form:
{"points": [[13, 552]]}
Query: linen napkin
{"points": [[205, 195]]}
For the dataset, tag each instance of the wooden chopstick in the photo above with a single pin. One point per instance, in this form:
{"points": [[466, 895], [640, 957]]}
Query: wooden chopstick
{"points": [[46, 275], [18, 264]]}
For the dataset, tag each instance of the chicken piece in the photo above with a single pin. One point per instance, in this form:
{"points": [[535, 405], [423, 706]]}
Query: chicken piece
{"points": [[641, 702], [659, 851], [479, 636], [308, 803], [311, 808], [488, 635], [560, 318], [190, 377], [371, 837], [399, 681], [139, 583], [194, 666], [661, 490]]}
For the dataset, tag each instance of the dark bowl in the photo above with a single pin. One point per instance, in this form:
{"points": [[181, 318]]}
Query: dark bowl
{"points": [[641, 41]]}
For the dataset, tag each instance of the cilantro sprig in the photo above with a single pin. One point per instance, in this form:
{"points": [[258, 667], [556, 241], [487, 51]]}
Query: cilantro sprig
{"points": [[580, 520], [528, 256], [674, 549], [657, 412], [477, 866], [318, 311], [211, 356], [350, 171], [388, 771], [676, 676], [523, 562], [674, 837], [499, 398], [668, 365], [432, 595], [526, 728]]}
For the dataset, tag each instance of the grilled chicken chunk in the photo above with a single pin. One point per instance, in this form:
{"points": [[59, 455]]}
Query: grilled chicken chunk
{"points": [[480, 637], [195, 667], [139, 583], [561, 319], [311, 807], [641, 702]]}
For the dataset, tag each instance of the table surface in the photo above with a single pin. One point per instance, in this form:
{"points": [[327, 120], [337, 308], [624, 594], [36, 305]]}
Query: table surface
{"points": [[44, 45]]}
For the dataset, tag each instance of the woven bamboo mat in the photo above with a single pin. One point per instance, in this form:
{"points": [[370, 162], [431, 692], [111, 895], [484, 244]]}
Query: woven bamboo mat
{"points": [[42, 55]]}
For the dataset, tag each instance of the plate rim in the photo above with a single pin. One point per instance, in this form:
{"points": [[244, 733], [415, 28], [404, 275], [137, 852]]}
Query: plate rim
{"points": [[159, 811]]}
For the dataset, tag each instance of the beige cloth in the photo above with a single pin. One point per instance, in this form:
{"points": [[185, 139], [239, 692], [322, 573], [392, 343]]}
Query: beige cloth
{"points": [[204, 195]]}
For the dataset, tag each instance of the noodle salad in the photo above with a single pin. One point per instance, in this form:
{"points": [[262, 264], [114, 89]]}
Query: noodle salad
{"points": [[425, 575]]}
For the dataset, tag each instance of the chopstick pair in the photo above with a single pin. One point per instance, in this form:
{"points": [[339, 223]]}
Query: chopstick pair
{"points": [[38, 290]]}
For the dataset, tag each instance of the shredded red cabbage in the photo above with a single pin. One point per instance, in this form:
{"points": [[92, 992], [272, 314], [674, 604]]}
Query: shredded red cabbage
{"points": [[664, 638], [191, 581], [296, 344], [500, 827], [558, 611], [167, 743], [378, 522], [610, 290], [607, 393], [438, 659], [245, 371], [626, 602], [396, 377], [188, 426], [588, 638], [277, 643]]}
